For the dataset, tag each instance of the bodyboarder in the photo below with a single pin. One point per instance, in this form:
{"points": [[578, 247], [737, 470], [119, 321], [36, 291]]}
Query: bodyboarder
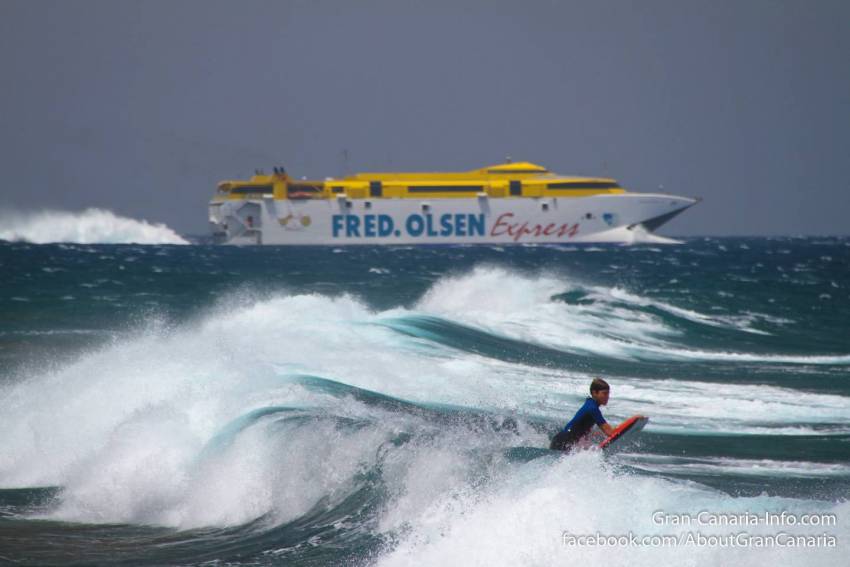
{"points": [[582, 423]]}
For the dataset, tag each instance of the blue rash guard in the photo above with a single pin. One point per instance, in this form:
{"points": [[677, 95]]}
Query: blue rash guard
{"points": [[579, 426]]}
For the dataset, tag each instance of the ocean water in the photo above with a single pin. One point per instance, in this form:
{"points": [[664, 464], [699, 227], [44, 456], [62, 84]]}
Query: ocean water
{"points": [[166, 404]]}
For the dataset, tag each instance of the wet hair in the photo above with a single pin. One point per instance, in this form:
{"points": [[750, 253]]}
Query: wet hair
{"points": [[599, 385]]}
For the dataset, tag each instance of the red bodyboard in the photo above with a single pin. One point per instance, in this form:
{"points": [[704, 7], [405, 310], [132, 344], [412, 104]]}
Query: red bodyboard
{"points": [[631, 425]]}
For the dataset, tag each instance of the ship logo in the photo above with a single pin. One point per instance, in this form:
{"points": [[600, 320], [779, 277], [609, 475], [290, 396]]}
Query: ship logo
{"points": [[295, 222], [609, 218]]}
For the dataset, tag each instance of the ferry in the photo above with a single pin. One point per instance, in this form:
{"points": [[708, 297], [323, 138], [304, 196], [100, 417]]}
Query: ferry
{"points": [[509, 203]]}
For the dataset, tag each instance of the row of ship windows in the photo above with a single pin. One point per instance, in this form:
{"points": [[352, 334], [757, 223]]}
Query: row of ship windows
{"points": [[376, 189], [515, 187]]}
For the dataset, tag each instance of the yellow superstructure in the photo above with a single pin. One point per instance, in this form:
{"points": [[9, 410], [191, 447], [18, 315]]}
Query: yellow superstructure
{"points": [[508, 180]]}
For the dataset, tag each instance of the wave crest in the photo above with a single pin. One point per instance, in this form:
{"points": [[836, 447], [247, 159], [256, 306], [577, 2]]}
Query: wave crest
{"points": [[90, 226]]}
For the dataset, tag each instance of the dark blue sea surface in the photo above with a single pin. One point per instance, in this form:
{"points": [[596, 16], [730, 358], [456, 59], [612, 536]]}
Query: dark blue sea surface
{"points": [[392, 406]]}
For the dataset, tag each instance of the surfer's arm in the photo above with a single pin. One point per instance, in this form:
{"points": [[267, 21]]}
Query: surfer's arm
{"points": [[601, 423]]}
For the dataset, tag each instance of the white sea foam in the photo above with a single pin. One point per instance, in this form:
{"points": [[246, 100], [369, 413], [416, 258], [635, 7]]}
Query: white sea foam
{"points": [[137, 431], [122, 428], [692, 407], [716, 466], [740, 323], [91, 226], [521, 306], [523, 516], [693, 354]]}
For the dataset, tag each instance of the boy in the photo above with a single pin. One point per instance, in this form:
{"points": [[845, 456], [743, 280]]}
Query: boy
{"points": [[581, 424]]}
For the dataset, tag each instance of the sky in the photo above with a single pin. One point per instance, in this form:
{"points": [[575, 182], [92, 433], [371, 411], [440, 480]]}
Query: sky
{"points": [[141, 107]]}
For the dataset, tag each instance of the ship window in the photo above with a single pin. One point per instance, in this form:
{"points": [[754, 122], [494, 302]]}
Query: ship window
{"points": [[517, 171], [583, 185], [303, 191], [375, 189], [367, 204], [444, 188], [338, 189], [516, 188], [243, 189]]}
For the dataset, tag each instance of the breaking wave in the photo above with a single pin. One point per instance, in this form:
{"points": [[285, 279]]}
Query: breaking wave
{"points": [[287, 425], [90, 226], [561, 314]]}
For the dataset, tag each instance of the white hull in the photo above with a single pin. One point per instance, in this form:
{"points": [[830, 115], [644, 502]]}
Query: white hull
{"points": [[620, 218]]}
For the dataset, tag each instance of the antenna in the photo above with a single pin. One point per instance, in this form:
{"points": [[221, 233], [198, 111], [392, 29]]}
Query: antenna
{"points": [[345, 162]]}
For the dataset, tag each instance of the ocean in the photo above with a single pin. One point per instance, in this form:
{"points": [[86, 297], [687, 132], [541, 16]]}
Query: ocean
{"points": [[198, 405]]}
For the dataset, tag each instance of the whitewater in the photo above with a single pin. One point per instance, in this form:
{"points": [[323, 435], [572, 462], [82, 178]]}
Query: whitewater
{"points": [[90, 226], [169, 404]]}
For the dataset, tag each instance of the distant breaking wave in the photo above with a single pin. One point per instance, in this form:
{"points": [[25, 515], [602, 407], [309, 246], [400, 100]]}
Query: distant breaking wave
{"points": [[91, 226]]}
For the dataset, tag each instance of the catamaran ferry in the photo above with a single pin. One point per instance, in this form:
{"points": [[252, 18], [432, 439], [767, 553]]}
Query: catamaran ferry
{"points": [[510, 203]]}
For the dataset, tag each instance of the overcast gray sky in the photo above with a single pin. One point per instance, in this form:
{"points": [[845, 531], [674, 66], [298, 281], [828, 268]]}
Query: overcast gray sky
{"points": [[141, 107]]}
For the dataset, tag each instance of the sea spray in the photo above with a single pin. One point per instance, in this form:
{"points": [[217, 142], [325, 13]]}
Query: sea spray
{"points": [[90, 226], [392, 406]]}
